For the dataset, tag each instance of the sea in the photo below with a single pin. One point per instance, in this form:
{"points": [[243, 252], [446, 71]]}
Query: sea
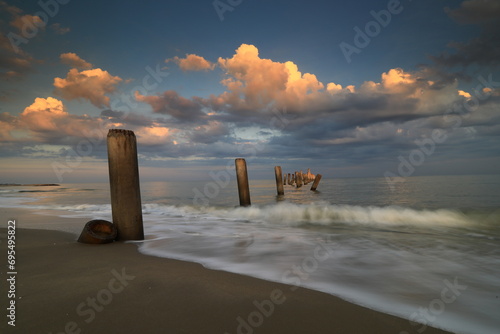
{"points": [[425, 248]]}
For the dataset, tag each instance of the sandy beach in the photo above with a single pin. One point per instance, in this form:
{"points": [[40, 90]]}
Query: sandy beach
{"points": [[66, 287]]}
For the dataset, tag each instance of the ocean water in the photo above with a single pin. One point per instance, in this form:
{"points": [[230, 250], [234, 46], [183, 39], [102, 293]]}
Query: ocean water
{"points": [[426, 250]]}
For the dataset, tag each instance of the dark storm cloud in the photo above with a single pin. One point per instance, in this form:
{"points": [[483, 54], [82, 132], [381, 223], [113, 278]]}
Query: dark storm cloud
{"points": [[475, 11], [171, 103], [483, 50]]}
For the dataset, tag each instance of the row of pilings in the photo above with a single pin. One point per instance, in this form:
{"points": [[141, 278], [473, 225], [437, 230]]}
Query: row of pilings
{"points": [[125, 191], [297, 179]]}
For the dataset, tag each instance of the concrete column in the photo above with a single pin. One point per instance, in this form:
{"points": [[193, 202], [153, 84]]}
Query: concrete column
{"points": [[124, 184], [316, 182], [242, 178], [279, 180], [298, 179]]}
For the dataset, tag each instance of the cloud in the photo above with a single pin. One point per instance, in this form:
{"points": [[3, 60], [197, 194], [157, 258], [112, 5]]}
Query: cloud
{"points": [[14, 62], [192, 62], [209, 133], [483, 50], [267, 104], [12, 10], [49, 105], [171, 103], [154, 135], [257, 89], [256, 84], [475, 11], [73, 60], [59, 30], [49, 122], [370, 122], [7, 124], [252, 82], [43, 115], [91, 85], [384, 116], [27, 23]]}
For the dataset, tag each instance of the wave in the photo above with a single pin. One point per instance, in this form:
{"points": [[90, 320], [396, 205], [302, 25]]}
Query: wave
{"points": [[321, 214], [284, 214], [327, 214]]}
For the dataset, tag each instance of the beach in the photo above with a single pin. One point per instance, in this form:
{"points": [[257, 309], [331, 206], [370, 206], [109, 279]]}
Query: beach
{"points": [[63, 286]]}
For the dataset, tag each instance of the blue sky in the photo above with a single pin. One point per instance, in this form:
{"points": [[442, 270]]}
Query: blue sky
{"points": [[349, 89]]}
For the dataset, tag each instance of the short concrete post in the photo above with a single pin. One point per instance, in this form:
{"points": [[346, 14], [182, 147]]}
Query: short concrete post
{"points": [[279, 180], [316, 182], [298, 179], [289, 179], [242, 178], [124, 184]]}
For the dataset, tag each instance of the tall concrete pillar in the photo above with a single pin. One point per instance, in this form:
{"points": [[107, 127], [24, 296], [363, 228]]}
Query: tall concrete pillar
{"points": [[242, 178], [279, 180], [126, 204]]}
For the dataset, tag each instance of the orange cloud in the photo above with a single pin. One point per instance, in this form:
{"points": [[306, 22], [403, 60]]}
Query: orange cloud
{"points": [[193, 62], [27, 22], [73, 60], [48, 120], [154, 135], [254, 82], [6, 126], [43, 114], [92, 85]]}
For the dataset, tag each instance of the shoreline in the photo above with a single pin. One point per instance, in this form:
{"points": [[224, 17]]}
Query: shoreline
{"points": [[65, 286]]}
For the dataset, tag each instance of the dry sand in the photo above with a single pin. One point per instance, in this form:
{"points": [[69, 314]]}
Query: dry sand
{"points": [[66, 287]]}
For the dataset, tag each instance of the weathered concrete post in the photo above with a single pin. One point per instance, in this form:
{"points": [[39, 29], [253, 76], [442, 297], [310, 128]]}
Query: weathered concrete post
{"points": [[124, 184], [298, 179], [289, 179], [309, 175], [316, 182], [242, 178], [279, 180]]}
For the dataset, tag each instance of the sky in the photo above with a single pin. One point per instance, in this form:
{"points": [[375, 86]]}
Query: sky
{"points": [[386, 88]]}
